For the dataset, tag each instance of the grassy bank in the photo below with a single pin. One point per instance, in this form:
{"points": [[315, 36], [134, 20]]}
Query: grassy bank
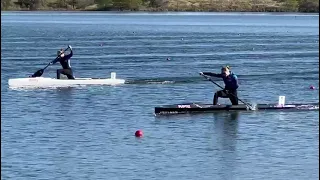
{"points": [[311, 6]]}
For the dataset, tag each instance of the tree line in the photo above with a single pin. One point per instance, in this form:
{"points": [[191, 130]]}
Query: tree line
{"points": [[166, 5]]}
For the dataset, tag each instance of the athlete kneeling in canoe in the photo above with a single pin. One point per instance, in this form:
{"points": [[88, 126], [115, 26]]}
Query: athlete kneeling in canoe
{"points": [[65, 63], [231, 85]]}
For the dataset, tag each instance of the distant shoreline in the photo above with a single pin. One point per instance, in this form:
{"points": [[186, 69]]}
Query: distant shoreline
{"points": [[163, 12], [158, 6]]}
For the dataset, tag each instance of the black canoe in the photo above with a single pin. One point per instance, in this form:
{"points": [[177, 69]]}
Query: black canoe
{"points": [[198, 107]]}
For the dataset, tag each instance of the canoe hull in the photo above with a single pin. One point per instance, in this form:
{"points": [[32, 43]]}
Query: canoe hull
{"points": [[52, 82], [202, 108]]}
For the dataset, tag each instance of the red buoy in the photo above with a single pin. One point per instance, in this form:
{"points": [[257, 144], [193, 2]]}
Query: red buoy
{"points": [[312, 87], [138, 133]]}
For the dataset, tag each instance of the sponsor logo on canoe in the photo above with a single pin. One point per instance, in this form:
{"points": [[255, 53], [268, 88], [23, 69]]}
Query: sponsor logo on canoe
{"points": [[33, 80], [308, 107], [169, 112], [184, 106]]}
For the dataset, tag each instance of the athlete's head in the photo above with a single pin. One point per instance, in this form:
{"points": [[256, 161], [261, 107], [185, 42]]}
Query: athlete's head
{"points": [[60, 53], [225, 70]]}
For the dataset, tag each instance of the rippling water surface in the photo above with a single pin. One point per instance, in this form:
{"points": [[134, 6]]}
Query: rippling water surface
{"points": [[87, 132]]}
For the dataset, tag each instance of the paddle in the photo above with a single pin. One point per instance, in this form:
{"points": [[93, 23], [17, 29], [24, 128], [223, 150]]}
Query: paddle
{"points": [[40, 72], [248, 105]]}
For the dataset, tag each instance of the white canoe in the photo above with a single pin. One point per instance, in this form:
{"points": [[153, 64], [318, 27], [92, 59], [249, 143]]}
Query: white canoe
{"points": [[52, 82]]}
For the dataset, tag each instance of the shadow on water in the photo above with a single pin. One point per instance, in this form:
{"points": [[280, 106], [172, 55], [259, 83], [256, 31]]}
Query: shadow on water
{"points": [[230, 115], [224, 132], [64, 91], [221, 137], [65, 96]]}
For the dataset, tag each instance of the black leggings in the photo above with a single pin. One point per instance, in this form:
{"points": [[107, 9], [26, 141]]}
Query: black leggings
{"points": [[233, 98], [67, 72]]}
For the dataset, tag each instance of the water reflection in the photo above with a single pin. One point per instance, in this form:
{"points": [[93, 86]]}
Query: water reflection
{"points": [[65, 98], [64, 92]]}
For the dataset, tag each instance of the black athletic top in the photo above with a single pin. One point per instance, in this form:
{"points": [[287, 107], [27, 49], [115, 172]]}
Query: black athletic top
{"points": [[231, 81]]}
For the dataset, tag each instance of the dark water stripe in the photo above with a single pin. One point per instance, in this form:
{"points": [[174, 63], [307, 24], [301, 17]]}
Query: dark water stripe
{"points": [[164, 37], [195, 45], [307, 74], [158, 24], [239, 54], [119, 35], [198, 80], [196, 40]]}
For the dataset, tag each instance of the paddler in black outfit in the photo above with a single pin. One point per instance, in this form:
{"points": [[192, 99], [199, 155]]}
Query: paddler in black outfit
{"points": [[65, 63], [231, 85]]}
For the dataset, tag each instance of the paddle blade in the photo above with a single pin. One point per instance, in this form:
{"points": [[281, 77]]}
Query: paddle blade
{"points": [[38, 73], [254, 107]]}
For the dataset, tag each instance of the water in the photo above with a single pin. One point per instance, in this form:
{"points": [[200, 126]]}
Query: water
{"points": [[87, 132]]}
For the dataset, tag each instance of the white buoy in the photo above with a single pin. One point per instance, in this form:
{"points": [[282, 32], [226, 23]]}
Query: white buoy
{"points": [[113, 75], [281, 100]]}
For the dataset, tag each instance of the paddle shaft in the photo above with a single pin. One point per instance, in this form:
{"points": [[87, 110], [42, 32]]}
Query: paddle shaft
{"points": [[228, 92], [48, 65]]}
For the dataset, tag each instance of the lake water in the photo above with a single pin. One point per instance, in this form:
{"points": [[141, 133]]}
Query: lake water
{"points": [[88, 132]]}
